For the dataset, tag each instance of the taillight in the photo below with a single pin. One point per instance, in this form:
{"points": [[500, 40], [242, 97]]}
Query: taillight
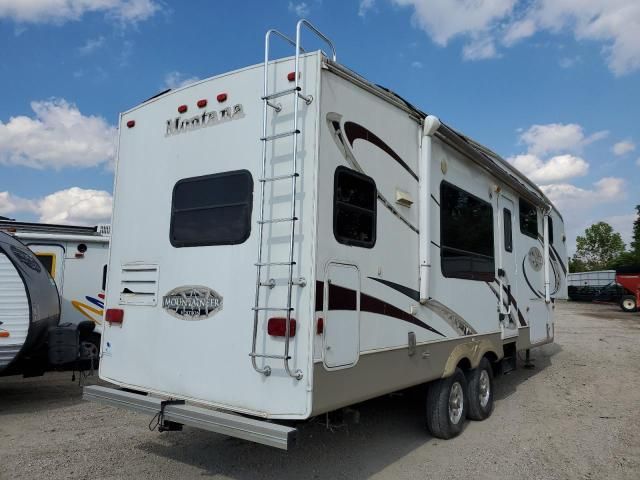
{"points": [[320, 326], [291, 76], [114, 315], [276, 327]]}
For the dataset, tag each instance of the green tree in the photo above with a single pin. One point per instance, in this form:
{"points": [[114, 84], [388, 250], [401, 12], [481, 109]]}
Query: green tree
{"points": [[635, 242], [599, 248]]}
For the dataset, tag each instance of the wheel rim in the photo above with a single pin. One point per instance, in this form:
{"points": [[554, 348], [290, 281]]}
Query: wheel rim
{"points": [[484, 388], [629, 304], [456, 403]]}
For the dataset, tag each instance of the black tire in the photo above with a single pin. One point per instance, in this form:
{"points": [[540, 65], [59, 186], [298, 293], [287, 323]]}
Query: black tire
{"points": [[439, 422], [480, 400], [628, 303]]}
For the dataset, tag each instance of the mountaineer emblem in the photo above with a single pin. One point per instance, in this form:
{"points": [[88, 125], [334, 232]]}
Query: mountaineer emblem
{"points": [[192, 302]]}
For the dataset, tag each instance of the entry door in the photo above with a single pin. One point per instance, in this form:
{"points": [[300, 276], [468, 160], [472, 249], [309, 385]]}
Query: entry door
{"points": [[508, 268], [52, 257], [342, 316]]}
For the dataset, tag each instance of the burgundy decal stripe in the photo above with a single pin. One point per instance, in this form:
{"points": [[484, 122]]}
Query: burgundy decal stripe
{"points": [[355, 131], [341, 298]]}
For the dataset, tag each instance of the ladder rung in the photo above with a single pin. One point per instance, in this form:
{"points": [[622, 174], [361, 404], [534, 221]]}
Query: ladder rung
{"points": [[278, 220], [262, 355], [280, 135], [281, 93], [266, 264], [272, 309], [279, 177]]}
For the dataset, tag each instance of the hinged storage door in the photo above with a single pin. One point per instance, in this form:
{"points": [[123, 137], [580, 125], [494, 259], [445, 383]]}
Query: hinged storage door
{"points": [[342, 316]]}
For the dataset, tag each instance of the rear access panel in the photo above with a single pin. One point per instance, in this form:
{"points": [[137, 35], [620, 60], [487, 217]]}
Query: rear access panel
{"points": [[342, 316]]}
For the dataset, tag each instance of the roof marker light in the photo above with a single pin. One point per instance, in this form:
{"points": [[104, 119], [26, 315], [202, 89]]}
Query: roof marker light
{"points": [[221, 97], [131, 123], [182, 108], [291, 76], [202, 103]]}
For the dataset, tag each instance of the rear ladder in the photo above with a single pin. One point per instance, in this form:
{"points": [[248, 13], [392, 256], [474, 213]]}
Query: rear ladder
{"points": [[267, 99]]}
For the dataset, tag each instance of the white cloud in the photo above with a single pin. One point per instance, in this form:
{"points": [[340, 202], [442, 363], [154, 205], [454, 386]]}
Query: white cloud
{"points": [[58, 136], [73, 206], [615, 24], [570, 197], [60, 11], [76, 206], [417, 64], [91, 45], [558, 137], [300, 9], [365, 6], [445, 19], [623, 147], [568, 62], [177, 80], [10, 204], [638, 161], [480, 48], [556, 169]]}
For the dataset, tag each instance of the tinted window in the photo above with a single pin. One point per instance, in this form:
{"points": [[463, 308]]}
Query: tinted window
{"points": [[466, 235], [528, 219], [508, 233], [212, 210], [46, 259], [354, 208]]}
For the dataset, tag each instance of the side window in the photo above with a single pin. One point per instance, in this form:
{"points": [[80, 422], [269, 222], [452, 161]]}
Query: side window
{"points": [[550, 230], [48, 261], [508, 230], [528, 219], [466, 235], [212, 210], [354, 208]]}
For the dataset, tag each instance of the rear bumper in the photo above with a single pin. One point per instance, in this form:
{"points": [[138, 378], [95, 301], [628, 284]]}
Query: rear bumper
{"points": [[233, 425]]}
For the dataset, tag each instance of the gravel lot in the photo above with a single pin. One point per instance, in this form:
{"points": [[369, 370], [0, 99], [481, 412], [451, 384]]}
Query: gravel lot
{"points": [[574, 416]]}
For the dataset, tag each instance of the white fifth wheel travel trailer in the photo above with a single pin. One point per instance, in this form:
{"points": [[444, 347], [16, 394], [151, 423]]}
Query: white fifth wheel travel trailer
{"points": [[289, 239], [29, 307], [76, 258]]}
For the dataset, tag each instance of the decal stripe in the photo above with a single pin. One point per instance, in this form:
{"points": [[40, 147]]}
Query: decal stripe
{"points": [[524, 272], [355, 132], [342, 298], [510, 300]]}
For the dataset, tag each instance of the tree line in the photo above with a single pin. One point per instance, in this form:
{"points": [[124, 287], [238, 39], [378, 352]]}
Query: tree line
{"points": [[602, 248]]}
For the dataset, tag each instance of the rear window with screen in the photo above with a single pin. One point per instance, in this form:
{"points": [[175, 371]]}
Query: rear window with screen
{"points": [[528, 219], [212, 210], [354, 209]]}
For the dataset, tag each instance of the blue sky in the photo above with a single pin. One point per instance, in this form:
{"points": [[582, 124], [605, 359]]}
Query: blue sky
{"points": [[550, 85]]}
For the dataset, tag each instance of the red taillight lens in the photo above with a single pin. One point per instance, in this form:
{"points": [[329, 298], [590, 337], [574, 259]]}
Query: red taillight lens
{"points": [[276, 327], [320, 326], [202, 103], [131, 123], [182, 108], [222, 97], [114, 315], [291, 76]]}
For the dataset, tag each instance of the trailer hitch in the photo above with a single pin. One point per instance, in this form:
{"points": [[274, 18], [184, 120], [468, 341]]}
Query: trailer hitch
{"points": [[165, 425]]}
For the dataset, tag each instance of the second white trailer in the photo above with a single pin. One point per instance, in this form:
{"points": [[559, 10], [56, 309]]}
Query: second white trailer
{"points": [[289, 239]]}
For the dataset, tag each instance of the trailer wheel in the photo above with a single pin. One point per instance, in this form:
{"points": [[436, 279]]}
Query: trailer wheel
{"points": [[447, 405], [480, 382], [628, 303]]}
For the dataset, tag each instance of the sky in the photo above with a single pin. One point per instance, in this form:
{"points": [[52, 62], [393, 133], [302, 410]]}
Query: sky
{"points": [[551, 85]]}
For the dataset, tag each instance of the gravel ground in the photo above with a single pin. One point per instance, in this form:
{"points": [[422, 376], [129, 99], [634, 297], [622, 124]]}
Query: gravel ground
{"points": [[573, 416]]}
